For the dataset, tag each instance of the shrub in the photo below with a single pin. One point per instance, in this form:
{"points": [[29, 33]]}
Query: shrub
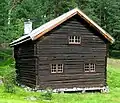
{"points": [[8, 86], [48, 94], [9, 82]]}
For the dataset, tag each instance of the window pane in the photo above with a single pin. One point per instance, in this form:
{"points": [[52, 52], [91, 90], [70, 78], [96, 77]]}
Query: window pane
{"points": [[57, 68], [60, 68], [71, 39], [92, 70], [92, 67], [53, 71], [74, 39], [53, 68], [86, 67], [89, 67]]}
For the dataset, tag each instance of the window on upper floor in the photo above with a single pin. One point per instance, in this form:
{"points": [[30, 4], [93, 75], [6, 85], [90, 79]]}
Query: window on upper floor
{"points": [[56, 68], [89, 67], [74, 40]]}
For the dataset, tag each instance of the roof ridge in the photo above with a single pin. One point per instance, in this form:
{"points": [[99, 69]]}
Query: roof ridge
{"points": [[38, 32]]}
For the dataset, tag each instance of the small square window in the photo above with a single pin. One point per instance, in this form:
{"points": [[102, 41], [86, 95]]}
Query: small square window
{"points": [[74, 40], [89, 67], [56, 68]]}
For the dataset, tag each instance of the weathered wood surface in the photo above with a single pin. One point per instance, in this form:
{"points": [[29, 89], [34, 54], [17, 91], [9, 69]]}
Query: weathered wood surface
{"points": [[25, 64], [33, 59], [54, 48]]}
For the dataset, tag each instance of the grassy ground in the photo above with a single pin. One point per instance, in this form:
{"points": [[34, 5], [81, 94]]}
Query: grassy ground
{"points": [[112, 97], [21, 96]]}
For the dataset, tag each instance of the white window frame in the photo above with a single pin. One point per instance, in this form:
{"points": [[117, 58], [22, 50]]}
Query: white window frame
{"points": [[89, 67], [56, 68], [74, 39]]}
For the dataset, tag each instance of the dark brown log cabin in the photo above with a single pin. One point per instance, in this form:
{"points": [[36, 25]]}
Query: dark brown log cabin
{"points": [[67, 53]]}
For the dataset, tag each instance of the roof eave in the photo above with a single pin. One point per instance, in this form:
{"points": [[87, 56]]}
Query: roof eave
{"points": [[53, 26], [19, 42], [37, 33], [91, 22]]}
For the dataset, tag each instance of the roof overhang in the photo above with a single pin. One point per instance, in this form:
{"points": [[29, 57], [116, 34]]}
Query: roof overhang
{"points": [[40, 31], [20, 40]]}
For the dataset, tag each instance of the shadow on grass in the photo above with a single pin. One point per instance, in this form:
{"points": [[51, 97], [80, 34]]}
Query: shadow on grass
{"points": [[114, 54]]}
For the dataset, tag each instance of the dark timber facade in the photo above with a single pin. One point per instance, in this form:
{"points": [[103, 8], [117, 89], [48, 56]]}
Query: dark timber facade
{"points": [[71, 55]]}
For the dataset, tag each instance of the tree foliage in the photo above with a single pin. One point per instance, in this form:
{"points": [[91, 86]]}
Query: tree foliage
{"points": [[13, 13]]}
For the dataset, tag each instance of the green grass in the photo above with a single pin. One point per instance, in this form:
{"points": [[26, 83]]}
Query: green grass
{"points": [[112, 97], [20, 95]]}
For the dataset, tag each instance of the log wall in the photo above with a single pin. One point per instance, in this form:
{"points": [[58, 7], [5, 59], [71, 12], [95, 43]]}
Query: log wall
{"points": [[54, 47], [26, 63], [33, 59]]}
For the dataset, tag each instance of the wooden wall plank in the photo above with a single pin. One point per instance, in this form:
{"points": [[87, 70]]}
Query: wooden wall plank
{"points": [[54, 48], [25, 64]]}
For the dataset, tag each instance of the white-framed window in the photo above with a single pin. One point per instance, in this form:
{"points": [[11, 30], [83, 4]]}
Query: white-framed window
{"points": [[56, 68], [89, 67], [74, 40]]}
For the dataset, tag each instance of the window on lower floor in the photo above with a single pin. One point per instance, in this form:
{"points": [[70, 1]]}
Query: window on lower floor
{"points": [[56, 68], [74, 40], [89, 67]]}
